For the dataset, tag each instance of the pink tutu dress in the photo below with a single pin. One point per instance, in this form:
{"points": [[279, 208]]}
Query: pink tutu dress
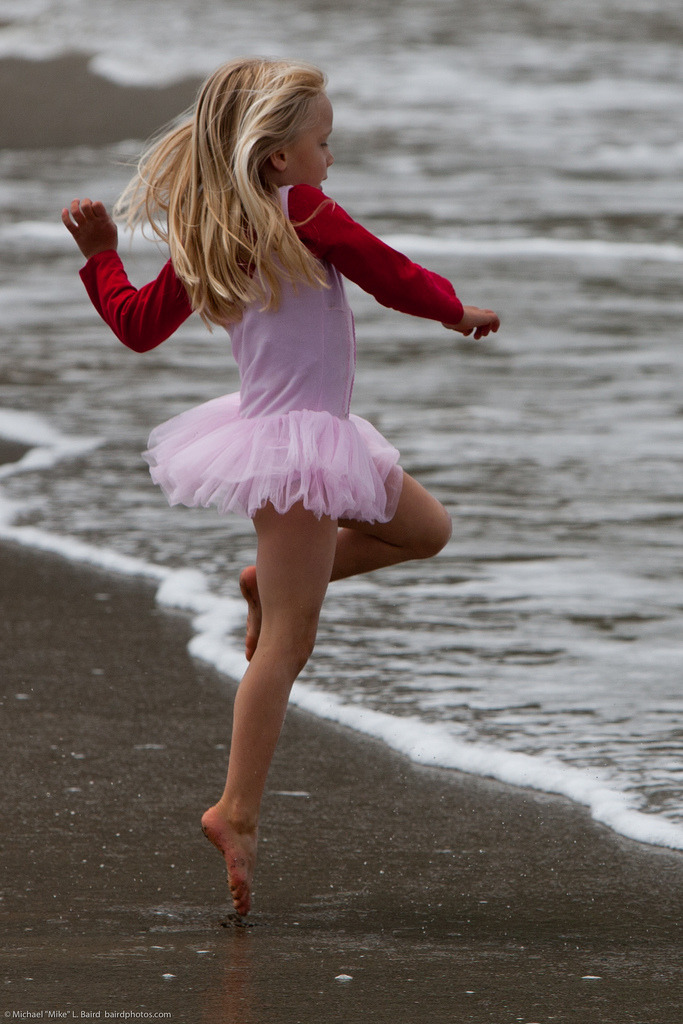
{"points": [[287, 435]]}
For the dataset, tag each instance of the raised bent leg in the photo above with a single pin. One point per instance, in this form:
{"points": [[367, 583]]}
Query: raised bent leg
{"points": [[294, 562], [420, 528]]}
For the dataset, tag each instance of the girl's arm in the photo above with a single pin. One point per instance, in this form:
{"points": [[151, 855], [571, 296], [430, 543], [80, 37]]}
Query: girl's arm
{"points": [[140, 318], [394, 280]]}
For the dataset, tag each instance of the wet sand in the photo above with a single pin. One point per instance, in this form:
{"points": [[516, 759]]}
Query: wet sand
{"points": [[442, 896], [59, 102]]}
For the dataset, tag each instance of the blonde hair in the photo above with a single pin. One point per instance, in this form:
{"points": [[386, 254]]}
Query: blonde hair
{"points": [[201, 187]]}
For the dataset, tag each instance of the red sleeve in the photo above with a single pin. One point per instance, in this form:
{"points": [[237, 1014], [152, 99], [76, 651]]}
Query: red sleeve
{"points": [[331, 235], [139, 317]]}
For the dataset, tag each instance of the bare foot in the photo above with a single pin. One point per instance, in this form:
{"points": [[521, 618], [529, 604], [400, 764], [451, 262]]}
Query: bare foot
{"points": [[239, 852], [249, 589]]}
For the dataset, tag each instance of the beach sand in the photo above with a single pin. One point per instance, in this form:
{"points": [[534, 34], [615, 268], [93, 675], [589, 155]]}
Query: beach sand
{"points": [[443, 897], [60, 102]]}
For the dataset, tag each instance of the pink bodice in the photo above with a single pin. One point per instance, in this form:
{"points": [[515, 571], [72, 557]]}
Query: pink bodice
{"points": [[299, 356]]}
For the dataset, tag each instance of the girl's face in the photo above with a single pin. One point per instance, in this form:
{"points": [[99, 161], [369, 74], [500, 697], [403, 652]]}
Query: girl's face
{"points": [[306, 160]]}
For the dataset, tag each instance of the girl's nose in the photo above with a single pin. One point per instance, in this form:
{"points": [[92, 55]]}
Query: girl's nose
{"points": [[330, 158]]}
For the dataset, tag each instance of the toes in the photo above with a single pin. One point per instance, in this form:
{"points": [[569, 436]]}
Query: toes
{"points": [[241, 897]]}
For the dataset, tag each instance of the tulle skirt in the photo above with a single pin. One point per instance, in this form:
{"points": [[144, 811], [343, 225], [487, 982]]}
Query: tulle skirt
{"points": [[211, 456]]}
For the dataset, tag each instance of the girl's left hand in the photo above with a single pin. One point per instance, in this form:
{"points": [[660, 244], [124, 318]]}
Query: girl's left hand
{"points": [[480, 321], [91, 226]]}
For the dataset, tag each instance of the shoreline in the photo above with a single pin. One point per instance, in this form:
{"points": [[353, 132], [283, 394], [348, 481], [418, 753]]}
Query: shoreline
{"points": [[421, 743], [438, 893]]}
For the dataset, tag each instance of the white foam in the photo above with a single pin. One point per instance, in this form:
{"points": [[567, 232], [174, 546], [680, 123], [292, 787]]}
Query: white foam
{"points": [[9, 510], [215, 619], [35, 233], [50, 237], [433, 745], [49, 446], [553, 248], [26, 427], [79, 551], [538, 247], [45, 458], [640, 156], [422, 742]]}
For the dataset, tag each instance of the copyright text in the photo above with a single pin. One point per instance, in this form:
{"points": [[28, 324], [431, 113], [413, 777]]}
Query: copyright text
{"points": [[85, 1015]]}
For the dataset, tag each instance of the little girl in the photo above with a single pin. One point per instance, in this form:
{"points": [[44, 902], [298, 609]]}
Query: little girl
{"points": [[257, 248]]}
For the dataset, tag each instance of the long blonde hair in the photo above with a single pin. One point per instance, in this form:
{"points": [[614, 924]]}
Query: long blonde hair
{"points": [[202, 189]]}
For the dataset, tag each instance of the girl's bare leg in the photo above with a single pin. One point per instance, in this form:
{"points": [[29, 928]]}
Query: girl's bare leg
{"points": [[250, 594], [294, 562], [420, 528]]}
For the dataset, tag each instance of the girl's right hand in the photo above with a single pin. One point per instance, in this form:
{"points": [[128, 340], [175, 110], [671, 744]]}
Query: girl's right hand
{"points": [[481, 321], [91, 226]]}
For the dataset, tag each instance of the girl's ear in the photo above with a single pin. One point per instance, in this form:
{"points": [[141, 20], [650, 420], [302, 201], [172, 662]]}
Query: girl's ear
{"points": [[278, 160]]}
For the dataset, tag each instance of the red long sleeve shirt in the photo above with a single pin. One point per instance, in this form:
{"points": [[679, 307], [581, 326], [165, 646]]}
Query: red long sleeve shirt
{"points": [[143, 318]]}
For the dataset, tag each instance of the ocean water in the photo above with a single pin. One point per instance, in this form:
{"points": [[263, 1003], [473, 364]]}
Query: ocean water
{"points": [[531, 152]]}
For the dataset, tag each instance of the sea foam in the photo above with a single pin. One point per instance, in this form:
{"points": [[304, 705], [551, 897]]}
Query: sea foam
{"points": [[52, 237], [433, 745], [47, 445], [538, 247]]}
